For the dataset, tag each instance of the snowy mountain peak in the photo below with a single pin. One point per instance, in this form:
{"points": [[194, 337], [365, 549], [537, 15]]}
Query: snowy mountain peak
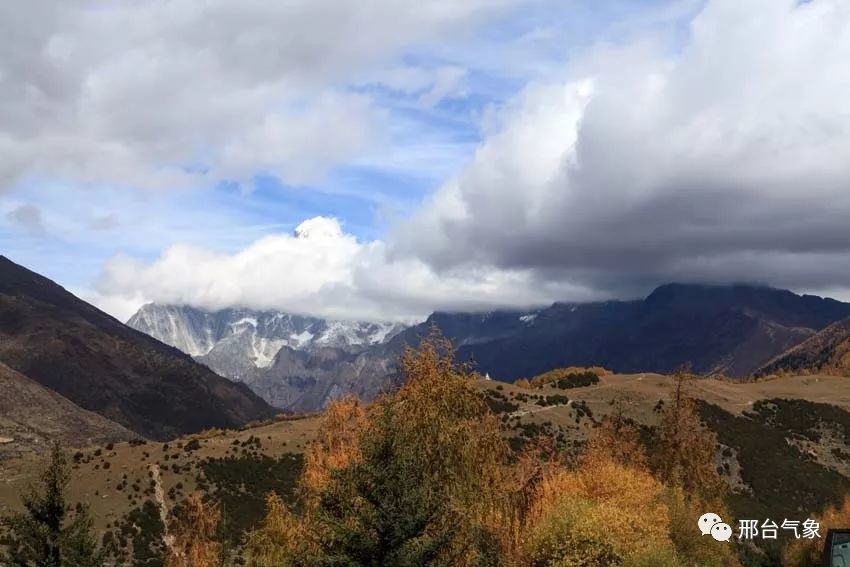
{"points": [[254, 337]]}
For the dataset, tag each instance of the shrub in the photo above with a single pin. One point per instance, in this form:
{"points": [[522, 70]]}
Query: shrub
{"points": [[602, 513]]}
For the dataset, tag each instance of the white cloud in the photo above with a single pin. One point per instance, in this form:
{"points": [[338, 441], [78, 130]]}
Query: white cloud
{"points": [[131, 93], [320, 270]]}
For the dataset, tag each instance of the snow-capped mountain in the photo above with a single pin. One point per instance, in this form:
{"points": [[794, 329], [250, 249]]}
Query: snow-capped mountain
{"points": [[293, 361], [261, 334]]}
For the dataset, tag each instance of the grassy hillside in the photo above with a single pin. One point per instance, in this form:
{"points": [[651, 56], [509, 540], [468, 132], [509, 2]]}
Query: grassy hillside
{"points": [[782, 451]]}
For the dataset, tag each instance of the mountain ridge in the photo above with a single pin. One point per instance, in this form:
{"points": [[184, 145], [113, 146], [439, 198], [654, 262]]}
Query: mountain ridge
{"points": [[294, 362], [98, 363], [826, 351], [719, 329], [731, 329]]}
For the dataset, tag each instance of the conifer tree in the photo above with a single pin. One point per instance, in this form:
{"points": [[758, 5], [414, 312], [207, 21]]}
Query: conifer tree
{"points": [[47, 534], [423, 482]]}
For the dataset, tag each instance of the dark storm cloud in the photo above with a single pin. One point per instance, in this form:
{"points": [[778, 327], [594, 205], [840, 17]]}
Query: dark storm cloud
{"points": [[727, 161]]}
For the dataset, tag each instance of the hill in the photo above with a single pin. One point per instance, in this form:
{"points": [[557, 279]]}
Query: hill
{"points": [[32, 417], [782, 442], [103, 366], [828, 351]]}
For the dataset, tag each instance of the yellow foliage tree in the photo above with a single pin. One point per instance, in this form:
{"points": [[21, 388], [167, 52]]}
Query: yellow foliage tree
{"points": [[686, 451], [336, 446], [194, 535], [689, 542], [617, 439], [603, 513], [279, 541]]}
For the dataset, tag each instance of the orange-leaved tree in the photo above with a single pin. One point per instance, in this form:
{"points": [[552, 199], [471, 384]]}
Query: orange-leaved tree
{"points": [[686, 454], [194, 532]]}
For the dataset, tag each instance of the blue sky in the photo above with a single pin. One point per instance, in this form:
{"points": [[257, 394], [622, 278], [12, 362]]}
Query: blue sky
{"points": [[423, 144], [456, 149]]}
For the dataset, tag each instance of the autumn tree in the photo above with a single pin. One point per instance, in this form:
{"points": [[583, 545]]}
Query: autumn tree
{"points": [[617, 439], [48, 534], [601, 513], [336, 446], [686, 451], [193, 532], [280, 541], [424, 480]]}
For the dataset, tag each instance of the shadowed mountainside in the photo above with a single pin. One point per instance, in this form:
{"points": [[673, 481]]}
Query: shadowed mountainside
{"points": [[32, 417], [718, 329], [96, 362]]}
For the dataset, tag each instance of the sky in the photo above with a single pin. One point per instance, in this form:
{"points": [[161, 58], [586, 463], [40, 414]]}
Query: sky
{"points": [[384, 159]]}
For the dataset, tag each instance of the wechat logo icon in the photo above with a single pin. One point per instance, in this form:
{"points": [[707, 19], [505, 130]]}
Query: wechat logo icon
{"points": [[712, 524]]}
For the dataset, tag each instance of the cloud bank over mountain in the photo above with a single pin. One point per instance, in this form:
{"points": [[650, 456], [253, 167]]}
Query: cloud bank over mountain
{"points": [[318, 270]]}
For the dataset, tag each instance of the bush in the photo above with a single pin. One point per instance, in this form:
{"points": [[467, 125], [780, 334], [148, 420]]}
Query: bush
{"points": [[570, 377], [601, 513]]}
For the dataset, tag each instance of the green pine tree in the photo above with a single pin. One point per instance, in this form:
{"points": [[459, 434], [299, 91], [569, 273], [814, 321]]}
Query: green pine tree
{"points": [[47, 534]]}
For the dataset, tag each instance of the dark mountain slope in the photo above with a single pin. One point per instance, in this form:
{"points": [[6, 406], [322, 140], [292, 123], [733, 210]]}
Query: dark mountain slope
{"points": [[32, 417], [729, 329], [826, 352], [101, 365]]}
